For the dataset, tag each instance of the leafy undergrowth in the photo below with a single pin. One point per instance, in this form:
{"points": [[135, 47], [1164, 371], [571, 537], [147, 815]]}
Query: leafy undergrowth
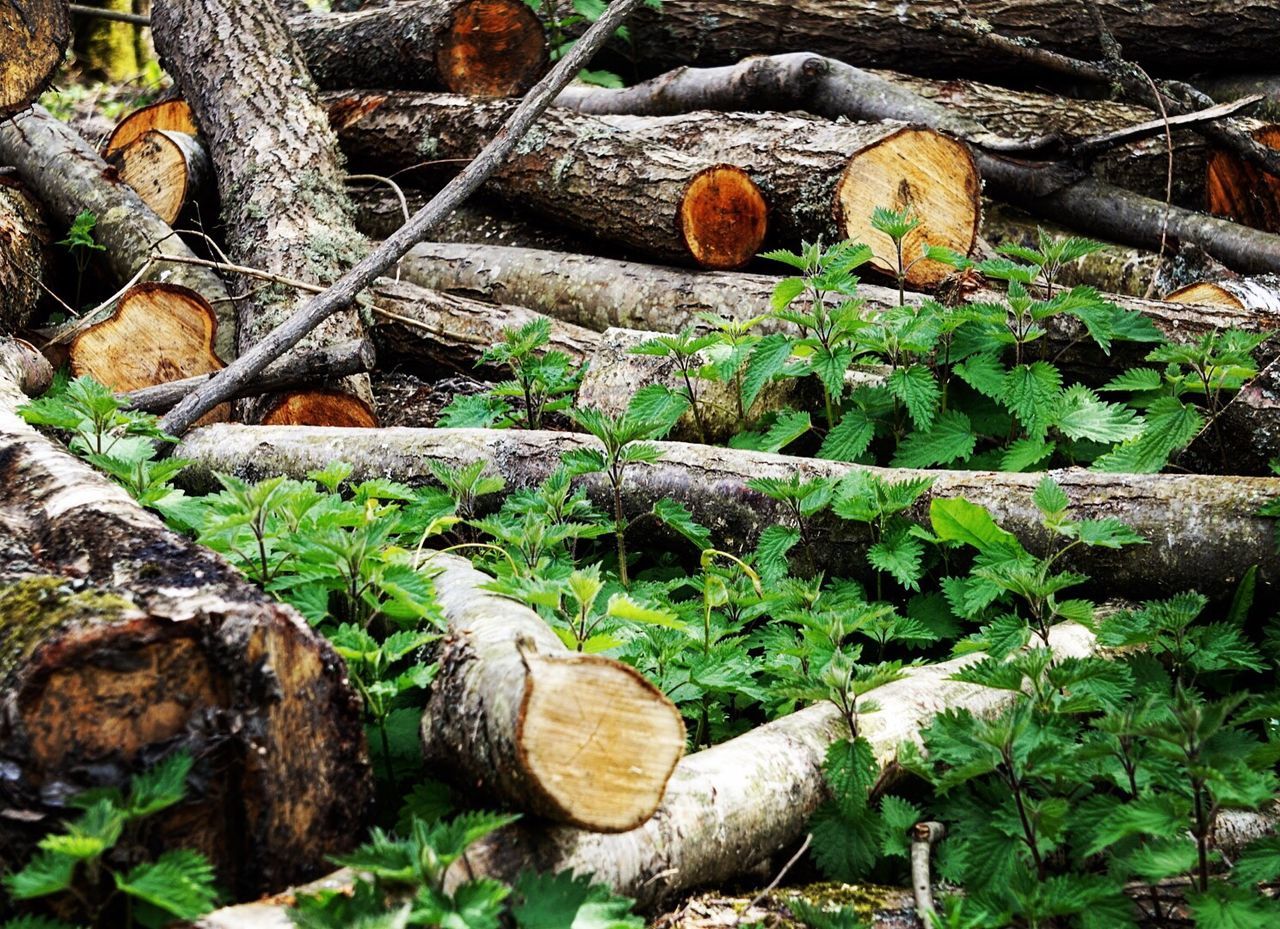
{"points": [[1105, 776]]}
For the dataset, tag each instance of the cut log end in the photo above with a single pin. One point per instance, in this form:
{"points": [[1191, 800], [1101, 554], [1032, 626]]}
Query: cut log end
{"points": [[1205, 294], [167, 115], [320, 408], [723, 217], [932, 175], [33, 36], [493, 48], [600, 740], [165, 167], [1244, 192]]}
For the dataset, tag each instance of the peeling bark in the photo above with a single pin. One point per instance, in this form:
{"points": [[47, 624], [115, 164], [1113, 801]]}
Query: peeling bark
{"points": [[1201, 528], [122, 639]]}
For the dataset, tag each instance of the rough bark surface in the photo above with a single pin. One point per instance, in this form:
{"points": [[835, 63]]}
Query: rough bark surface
{"points": [[578, 739], [485, 48], [571, 168], [1201, 528], [741, 801], [33, 37], [25, 256], [68, 176], [278, 172], [823, 179], [122, 639], [1195, 35], [831, 88]]}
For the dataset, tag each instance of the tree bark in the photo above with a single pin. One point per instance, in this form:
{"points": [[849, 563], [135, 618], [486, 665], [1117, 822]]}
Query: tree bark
{"points": [[123, 639], [1201, 35], [823, 180], [277, 165], [330, 362], [598, 293], [68, 176], [33, 38], [483, 48], [578, 739], [25, 256], [833, 89], [1201, 528], [573, 169]]}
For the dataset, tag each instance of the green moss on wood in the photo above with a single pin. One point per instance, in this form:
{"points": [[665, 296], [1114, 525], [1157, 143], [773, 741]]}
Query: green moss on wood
{"points": [[32, 609]]}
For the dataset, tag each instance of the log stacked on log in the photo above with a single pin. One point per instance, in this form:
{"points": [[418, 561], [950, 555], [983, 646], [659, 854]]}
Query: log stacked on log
{"points": [[33, 38], [574, 169], [123, 639], [158, 154], [25, 256]]}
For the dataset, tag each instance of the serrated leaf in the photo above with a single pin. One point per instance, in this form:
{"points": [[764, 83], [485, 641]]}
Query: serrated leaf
{"points": [[676, 516], [901, 558], [1029, 392], [955, 519], [1081, 415], [180, 882], [918, 390], [767, 360], [951, 438], [850, 438], [1135, 379], [776, 541]]}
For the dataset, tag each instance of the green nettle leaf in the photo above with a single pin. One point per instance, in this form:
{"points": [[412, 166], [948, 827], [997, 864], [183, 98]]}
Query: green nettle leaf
{"points": [[788, 425], [180, 882], [1258, 863], [983, 372], [675, 515], [473, 411], [1029, 392], [776, 541], [901, 558], [767, 360], [566, 901], [658, 403], [1049, 498], [786, 291], [850, 438], [919, 392], [952, 438], [830, 366], [816, 917], [955, 519], [1026, 454], [1170, 426], [1081, 415], [1135, 379], [46, 873], [900, 817], [1227, 907]]}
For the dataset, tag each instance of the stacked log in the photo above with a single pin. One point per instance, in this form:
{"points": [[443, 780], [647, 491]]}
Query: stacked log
{"points": [[25, 256], [157, 152], [33, 38], [123, 639]]}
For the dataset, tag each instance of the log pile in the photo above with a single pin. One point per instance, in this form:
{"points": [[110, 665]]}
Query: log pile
{"points": [[337, 151]]}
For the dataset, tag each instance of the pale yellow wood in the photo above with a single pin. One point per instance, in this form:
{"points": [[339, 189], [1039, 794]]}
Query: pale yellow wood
{"points": [[597, 741], [929, 173], [164, 168], [1210, 294], [173, 115]]}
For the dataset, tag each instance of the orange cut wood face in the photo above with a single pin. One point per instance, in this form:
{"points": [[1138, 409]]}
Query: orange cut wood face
{"points": [[493, 48], [323, 407], [174, 115], [157, 165], [723, 217], [1243, 192]]}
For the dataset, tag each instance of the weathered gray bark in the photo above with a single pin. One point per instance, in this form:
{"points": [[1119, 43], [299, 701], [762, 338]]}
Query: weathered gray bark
{"points": [[68, 176], [25, 256], [823, 179], [1198, 35], [33, 37], [578, 739], [830, 88], [1201, 528], [278, 171], [572, 168], [122, 639], [486, 48]]}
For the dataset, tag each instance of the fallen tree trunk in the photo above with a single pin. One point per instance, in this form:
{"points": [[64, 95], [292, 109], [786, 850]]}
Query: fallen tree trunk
{"points": [[1059, 192], [573, 169], [483, 48], [26, 256], [33, 38], [123, 639], [823, 180], [579, 739], [1201, 528], [905, 35], [278, 173], [315, 366], [69, 177]]}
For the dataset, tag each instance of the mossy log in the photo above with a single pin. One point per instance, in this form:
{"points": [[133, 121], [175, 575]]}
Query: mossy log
{"points": [[34, 35], [123, 640], [1205, 35], [1201, 529], [68, 177], [277, 166], [577, 739], [831, 88], [571, 168], [26, 256], [823, 179], [483, 48]]}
